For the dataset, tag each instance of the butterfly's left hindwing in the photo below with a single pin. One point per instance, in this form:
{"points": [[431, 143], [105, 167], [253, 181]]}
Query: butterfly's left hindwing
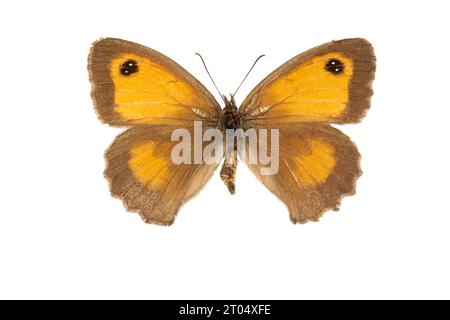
{"points": [[141, 173]]}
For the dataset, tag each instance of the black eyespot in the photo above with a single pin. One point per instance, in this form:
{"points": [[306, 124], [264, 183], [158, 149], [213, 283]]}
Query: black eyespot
{"points": [[129, 67], [334, 66]]}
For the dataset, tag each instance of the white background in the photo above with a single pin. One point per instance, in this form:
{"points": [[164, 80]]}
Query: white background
{"points": [[63, 236]]}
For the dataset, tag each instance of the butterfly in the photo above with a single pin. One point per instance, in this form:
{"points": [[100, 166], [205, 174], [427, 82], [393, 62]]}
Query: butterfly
{"points": [[139, 88]]}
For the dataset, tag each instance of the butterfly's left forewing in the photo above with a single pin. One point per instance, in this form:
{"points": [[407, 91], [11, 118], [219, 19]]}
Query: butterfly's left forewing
{"points": [[133, 84]]}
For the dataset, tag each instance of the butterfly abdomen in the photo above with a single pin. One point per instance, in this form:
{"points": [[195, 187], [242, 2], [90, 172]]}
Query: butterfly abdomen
{"points": [[231, 121], [228, 172]]}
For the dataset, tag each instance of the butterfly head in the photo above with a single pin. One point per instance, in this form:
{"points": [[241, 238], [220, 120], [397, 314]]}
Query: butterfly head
{"points": [[230, 103]]}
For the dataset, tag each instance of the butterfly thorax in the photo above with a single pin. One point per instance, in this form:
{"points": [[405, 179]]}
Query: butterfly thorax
{"points": [[231, 118], [231, 121]]}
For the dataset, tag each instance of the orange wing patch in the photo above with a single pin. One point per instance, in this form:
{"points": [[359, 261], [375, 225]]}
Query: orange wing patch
{"points": [[147, 166], [153, 94], [315, 167], [309, 92]]}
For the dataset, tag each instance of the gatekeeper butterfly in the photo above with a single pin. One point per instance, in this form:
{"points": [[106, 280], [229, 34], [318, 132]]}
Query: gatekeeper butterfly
{"points": [[139, 88]]}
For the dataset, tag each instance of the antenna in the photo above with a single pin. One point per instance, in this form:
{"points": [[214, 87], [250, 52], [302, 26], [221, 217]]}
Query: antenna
{"points": [[204, 64], [254, 63]]}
